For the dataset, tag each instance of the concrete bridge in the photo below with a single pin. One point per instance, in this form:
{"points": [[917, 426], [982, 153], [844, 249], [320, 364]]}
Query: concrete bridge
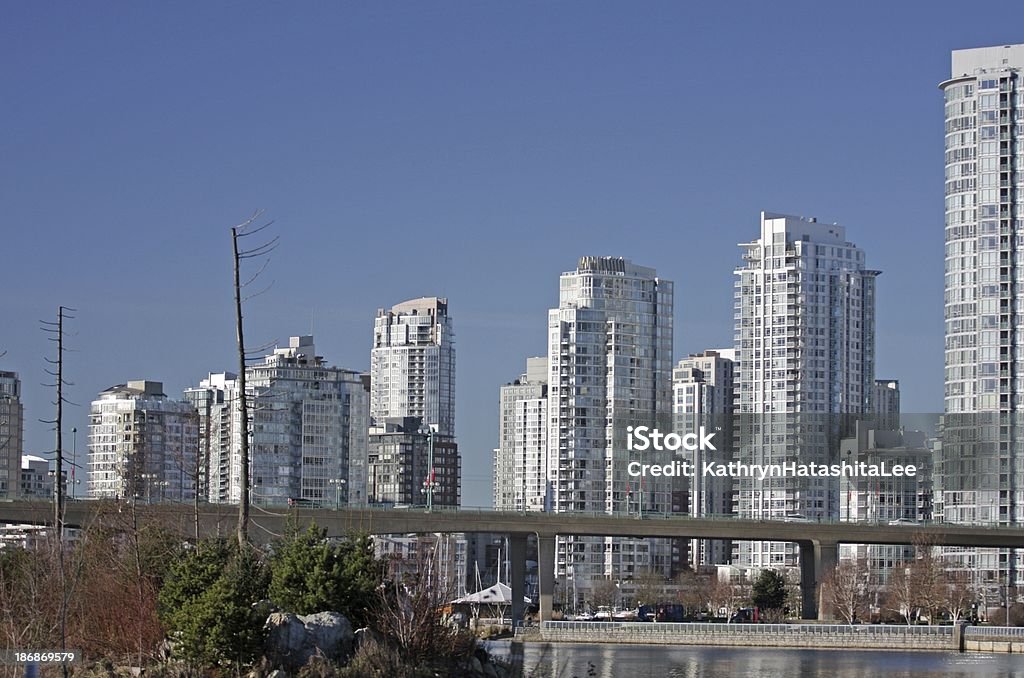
{"points": [[818, 542]]}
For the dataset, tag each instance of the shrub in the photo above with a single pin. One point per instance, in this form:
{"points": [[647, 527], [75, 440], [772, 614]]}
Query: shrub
{"points": [[207, 604], [310, 574]]}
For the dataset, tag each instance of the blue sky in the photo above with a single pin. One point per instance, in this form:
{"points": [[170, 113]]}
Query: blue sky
{"points": [[467, 150]]}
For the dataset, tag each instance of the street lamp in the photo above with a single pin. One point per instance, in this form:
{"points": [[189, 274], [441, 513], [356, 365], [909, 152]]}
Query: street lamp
{"points": [[148, 479], [163, 485], [849, 488], [429, 482], [1006, 599], [338, 484], [74, 459]]}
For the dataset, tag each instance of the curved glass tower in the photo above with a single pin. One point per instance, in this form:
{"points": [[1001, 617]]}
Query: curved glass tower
{"points": [[979, 472]]}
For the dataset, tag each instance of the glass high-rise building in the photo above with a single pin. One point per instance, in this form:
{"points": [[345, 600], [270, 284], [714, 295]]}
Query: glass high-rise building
{"points": [[412, 377], [610, 367], [980, 469], [217, 404], [520, 460], [412, 364], [308, 430], [805, 351], [703, 395], [142, 444]]}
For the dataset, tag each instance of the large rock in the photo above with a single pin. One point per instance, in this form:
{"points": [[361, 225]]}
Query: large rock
{"points": [[293, 639]]}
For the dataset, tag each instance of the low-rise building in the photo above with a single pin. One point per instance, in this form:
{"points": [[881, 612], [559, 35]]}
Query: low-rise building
{"points": [[885, 499], [11, 433], [410, 464], [37, 478]]}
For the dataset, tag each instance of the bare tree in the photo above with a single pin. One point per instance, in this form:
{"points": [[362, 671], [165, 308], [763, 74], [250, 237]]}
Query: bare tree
{"points": [[920, 587], [649, 587], [603, 593], [124, 555], [960, 593], [727, 595], [846, 589], [693, 590], [261, 251], [30, 593], [900, 596], [928, 578], [409, 616], [195, 467], [108, 591]]}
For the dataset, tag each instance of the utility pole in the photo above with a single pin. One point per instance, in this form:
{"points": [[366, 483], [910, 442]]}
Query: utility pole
{"points": [[56, 329], [243, 501], [239, 254], [58, 486]]}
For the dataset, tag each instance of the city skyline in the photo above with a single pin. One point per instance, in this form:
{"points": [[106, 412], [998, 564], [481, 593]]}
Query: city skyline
{"points": [[144, 222], [193, 379]]}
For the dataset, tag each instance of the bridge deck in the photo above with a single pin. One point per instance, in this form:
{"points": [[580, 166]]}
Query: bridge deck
{"points": [[269, 521]]}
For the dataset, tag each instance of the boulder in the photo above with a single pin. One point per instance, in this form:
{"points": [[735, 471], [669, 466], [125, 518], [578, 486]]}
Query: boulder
{"points": [[292, 639]]}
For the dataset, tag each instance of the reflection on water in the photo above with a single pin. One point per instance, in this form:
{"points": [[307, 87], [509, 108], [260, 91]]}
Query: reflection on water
{"points": [[581, 660]]}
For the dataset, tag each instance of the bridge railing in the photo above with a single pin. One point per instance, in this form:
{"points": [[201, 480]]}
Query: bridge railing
{"points": [[326, 505], [655, 516], [995, 631], [699, 628]]}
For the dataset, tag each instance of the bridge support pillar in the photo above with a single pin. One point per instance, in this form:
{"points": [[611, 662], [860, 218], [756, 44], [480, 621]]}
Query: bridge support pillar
{"points": [[817, 560], [545, 575], [517, 574]]}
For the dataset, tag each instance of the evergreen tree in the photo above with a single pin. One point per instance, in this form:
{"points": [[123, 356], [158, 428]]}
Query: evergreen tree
{"points": [[769, 591], [190, 576], [310, 574], [362, 577], [207, 604], [306, 573]]}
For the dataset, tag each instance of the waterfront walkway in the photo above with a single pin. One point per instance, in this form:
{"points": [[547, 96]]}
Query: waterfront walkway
{"points": [[811, 636]]}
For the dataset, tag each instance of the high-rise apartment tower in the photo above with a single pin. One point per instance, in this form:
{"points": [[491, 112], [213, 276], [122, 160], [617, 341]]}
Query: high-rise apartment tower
{"points": [[979, 476], [805, 346], [610, 367]]}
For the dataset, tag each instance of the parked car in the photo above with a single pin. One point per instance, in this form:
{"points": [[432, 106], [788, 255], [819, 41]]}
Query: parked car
{"points": [[746, 615]]}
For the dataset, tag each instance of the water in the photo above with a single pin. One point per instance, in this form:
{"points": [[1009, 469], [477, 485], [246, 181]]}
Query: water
{"points": [[581, 660]]}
